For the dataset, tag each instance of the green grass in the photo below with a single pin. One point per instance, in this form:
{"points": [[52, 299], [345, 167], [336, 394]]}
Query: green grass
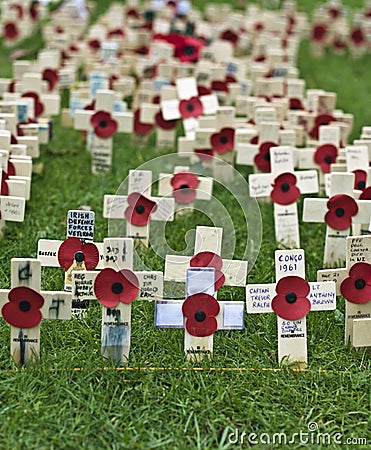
{"points": [[50, 405]]}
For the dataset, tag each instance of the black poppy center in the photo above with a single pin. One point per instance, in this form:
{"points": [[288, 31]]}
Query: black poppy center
{"points": [[188, 50], [117, 288], [359, 283], [361, 184], [339, 212], [200, 316], [223, 140], [24, 305], [140, 209], [79, 257], [184, 187], [328, 159], [267, 156], [103, 123], [291, 297], [190, 107], [285, 187]]}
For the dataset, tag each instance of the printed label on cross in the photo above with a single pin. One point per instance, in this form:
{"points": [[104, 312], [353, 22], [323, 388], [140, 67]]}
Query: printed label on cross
{"points": [[291, 298], [77, 252], [185, 187], [24, 306], [138, 207], [339, 212], [284, 186], [104, 123], [200, 314], [354, 283], [116, 287]]}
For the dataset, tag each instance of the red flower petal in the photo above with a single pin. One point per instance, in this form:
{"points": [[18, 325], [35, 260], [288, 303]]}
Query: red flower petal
{"points": [[357, 36], [164, 124], [319, 32], [200, 311], [357, 287], [262, 159], [139, 210], [39, 107], [203, 90], [94, 44], [229, 35], [51, 76], [291, 303], [204, 154], [4, 185], [223, 141], [104, 125], [184, 184], [112, 287], [191, 108], [22, 310], [360, 179], [219, 86], [10, 30], [210, 259], [73, 245], [366, 194], [296, 103], [139, 127], [342, 208], [285, 190], [325, 155]]}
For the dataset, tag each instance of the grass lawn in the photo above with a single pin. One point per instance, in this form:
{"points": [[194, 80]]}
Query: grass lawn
{"points": [[73, 399]]}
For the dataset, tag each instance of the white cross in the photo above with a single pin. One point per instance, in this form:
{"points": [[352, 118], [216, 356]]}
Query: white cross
{"points": [[262, 298], [25, 340], [317, 210], [202, 187], [227, 315], [131, 206], [285, 211], [80, 225], [116, 319], [104, 123], [357, 315]]}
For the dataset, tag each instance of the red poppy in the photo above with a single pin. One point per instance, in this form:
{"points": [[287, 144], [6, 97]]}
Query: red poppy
{"points": [[133, 13], [360, 179], [59, 30], [116, 33], [38, 106], [191, 108], [94, 44], [34, 12], [104, 125], [52, 77], [10, 170], [334, 12], [296, 104], [184, 186], [203, 90], [258, 26], [139, 209], [72, 249], [357, 287], [10, 30], [112, 287], [291, 301], [204, 154], [366, 194], [339, 43], [223, 141], [139, 127], [321, 119], [229, 35], [219, 86], [18, 9], [285, 190], [23, 308], [200, 311], [164, 124], [11, 85], [73, 48], [341, 209], [112, 78], [325, 155], [357, 36], [262, 159], [210, 259], [190, 49], [90, 106], [4, 185], [319, 32]]}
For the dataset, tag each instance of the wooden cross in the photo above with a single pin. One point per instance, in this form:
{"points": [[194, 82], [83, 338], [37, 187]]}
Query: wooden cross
{"points": [[104, 123], [116, 287], [24, 306], [77, 252], [185, 187], [285, 187], [200, 314], [138, 207], [339, 212], [353, 283], [291, 298]]}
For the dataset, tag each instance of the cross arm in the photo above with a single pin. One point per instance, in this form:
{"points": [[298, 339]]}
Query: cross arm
{"points": [[333, 275], [314, 209]]}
